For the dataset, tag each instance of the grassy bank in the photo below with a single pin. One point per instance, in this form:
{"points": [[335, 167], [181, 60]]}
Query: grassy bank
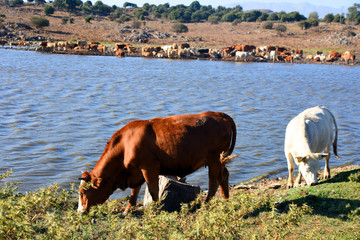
{"points": [[330, 210]]}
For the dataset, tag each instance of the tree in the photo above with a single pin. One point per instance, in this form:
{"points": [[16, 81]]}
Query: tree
{"points": [[180, 28], [39, 22], [304, 25], [49, 10], [329, 18], [354, 13], [313, 15], [129, 5], [273, 17], [194, 6]]}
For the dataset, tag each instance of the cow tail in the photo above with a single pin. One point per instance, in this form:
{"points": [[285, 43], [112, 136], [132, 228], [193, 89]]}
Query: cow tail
{"points": [[336, 136], [225, 156]]}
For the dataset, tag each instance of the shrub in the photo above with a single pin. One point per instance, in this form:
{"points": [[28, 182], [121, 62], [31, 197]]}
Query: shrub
{"points": [[123, 18], [281, 28], [64, 20], [268, 25], [88, 19], [48, 10], [304, 25], [354, 177], [329, 18], [213, 19], [39, 22], [179, 28], [71, 20]]}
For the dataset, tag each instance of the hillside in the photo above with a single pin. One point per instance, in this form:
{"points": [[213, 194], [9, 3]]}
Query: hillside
{"points": [[327, 36]]}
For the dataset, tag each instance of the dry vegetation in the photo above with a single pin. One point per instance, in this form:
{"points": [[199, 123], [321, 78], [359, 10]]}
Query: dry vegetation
{"points": [[327, 36]]}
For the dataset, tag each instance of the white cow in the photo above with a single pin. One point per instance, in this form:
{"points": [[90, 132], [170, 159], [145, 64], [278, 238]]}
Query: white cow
{"points": [[307, 136], [243, 55]]}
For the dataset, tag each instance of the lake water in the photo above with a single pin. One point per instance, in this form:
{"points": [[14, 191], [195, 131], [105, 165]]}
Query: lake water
{"points": [[58, 111]]}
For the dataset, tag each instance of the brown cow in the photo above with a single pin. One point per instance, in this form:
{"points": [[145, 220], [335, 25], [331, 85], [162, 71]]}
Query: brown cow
{"points": [[120, 53], [144, 149], [347, 56], [335, 54], [288, 59]]}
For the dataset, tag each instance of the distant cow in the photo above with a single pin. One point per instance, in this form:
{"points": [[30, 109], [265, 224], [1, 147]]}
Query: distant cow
{"points": [[144, 149], [242, 55], [307, 136], [348, 56]]}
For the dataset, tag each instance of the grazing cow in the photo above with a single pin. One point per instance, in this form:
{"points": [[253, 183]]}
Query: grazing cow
{"points": [[82, 44], [248, 48], [92, 47], [288, 59], [330, 59], [120, 53], [347, 56], [310, 57], [307, 136], [272, 55], [144, 149], [335, 54], [242, 55]]}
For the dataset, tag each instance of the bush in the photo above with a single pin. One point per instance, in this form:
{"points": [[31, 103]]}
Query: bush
{"points": [[304, 25], [268, 25], [179, 28], [48, 10], [64, 20], [213, 19], [39, 22], [71, 20], [281, 28], [354, 177], [88, 19]]}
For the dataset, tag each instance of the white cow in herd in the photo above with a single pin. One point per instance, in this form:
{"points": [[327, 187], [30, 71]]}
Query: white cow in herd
{"points": [[308, 139]]}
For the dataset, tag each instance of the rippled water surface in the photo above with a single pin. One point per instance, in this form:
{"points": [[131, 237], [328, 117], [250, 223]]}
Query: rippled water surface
{"points": [[58, 111]]}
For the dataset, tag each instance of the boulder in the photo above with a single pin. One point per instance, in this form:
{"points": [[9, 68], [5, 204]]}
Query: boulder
{"points": [[172, 193]]}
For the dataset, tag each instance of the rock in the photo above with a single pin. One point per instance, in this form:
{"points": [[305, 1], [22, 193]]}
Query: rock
{"points": [[274, 186], [242, 186], [173, 193]]}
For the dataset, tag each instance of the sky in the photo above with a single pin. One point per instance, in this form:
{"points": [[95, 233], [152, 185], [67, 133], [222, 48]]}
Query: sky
{"points": [[215, 3]]}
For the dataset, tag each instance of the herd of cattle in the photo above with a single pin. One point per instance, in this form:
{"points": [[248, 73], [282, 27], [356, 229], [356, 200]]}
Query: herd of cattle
{"points": [[179, 145], [184, 51]]}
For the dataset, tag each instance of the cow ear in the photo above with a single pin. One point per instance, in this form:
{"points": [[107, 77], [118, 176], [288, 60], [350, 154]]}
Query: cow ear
{"points": [[96, 182]]}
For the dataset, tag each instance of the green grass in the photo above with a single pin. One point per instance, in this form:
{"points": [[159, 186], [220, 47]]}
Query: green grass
{"points": [[330, 210]]}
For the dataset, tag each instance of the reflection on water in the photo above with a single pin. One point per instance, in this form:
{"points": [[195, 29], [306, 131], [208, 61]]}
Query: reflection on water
{"points": [[58, 111]]}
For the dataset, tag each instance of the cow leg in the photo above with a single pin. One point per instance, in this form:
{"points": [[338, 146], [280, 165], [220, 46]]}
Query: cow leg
{"points": [[291, 167], [133, 198], [224, 182], [214, 176], [327, 167], [152, 180], [298, 180]]}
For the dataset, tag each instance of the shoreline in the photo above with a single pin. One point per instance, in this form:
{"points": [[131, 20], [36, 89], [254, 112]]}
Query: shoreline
{"points": [[137, 53]]}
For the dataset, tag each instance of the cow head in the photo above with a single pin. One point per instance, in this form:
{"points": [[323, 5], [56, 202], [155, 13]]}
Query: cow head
{"points": [[90, 192], [309, 166]]}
